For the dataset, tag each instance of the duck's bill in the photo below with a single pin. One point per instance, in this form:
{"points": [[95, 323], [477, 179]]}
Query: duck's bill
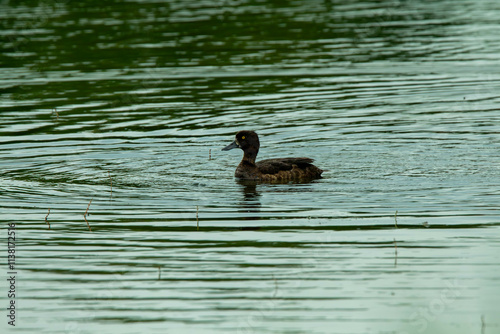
{"points": [[231, 146]]}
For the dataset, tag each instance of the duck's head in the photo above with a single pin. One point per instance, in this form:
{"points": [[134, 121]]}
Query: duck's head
{"points": [[246, 140]]}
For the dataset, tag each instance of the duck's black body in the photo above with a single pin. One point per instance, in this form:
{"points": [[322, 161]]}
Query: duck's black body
{"points": [[279, 170]]}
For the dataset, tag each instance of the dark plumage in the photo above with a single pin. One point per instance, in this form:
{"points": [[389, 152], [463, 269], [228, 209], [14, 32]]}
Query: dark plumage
{"points": [[285, 169]]}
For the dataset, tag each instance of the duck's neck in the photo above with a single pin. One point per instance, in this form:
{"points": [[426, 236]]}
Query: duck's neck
{"points": [[250, 154]]}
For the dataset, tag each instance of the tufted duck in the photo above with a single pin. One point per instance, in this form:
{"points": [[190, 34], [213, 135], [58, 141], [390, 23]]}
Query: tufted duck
{"points": [[278, 170]]}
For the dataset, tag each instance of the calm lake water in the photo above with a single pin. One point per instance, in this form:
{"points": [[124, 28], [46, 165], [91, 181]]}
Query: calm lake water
{"points": [[128, 104]]}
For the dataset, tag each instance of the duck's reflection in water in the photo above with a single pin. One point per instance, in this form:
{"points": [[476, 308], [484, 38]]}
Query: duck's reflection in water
{"points": [[250, 202]]}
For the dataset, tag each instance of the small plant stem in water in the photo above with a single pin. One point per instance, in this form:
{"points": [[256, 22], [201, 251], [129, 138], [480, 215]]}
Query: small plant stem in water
{"points": [[111, 184], [48, 213], [85, 215]]}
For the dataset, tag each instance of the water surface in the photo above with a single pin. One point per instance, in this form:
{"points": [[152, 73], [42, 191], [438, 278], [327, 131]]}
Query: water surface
{"points": [[128, 104]]}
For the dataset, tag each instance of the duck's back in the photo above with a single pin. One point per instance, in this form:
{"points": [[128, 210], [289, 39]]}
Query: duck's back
{"points": [[283, 169]]}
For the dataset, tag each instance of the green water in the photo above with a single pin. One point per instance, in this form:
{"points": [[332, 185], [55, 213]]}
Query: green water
{"points": [[129, 104]]}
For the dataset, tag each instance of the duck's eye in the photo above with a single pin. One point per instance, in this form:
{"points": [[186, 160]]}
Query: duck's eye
{"points": [[243, 137]]}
